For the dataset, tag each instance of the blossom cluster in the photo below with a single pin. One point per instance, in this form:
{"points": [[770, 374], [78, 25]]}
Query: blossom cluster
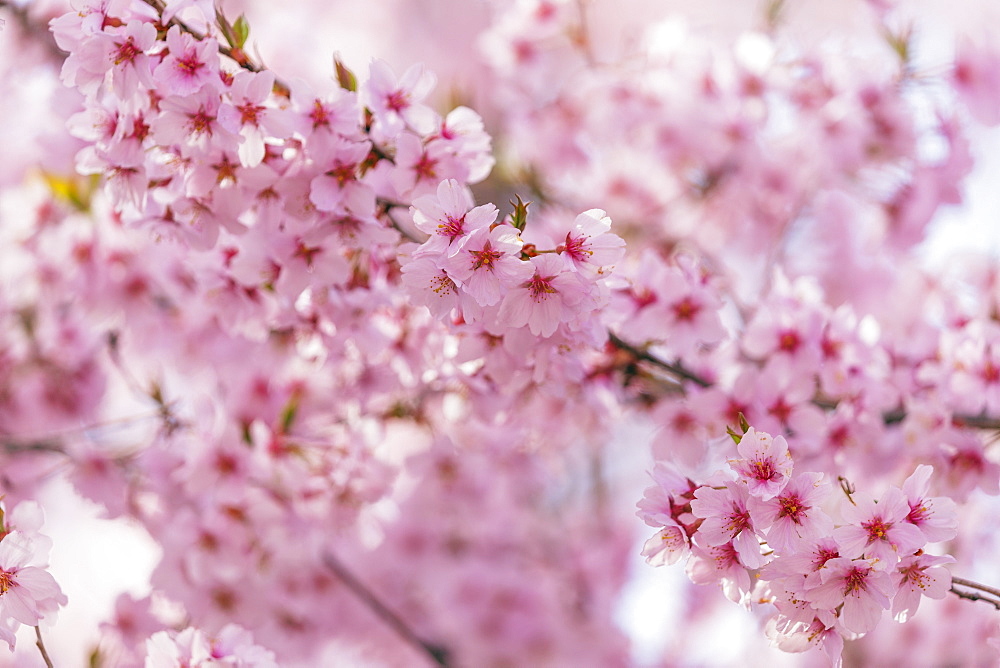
{"points": [[28, 592], [233, 646], [474, 265], [778, 538], [274, 322]]}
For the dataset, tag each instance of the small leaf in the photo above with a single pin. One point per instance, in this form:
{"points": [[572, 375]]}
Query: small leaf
{"points": [[345, 77], [245, 434], [744, 425], [288, 415], [733, 435], [519, 217], [241, 30]]}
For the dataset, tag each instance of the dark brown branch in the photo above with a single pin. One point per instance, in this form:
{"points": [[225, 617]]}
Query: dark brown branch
{"points": [[981, 421], [437, 654], [676, 369]]}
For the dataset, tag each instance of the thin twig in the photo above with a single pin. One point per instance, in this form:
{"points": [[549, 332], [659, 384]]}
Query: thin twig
{"points": [[677, 369], [15, 447], [989, 595], [972, 596], [41, 647], [981, 421], [239, 56], [437, 653], [993, 591]]}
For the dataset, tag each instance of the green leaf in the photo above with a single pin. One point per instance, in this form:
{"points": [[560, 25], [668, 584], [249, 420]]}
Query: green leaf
{"points": [[288, 415], [519, 217], [241, 30], [345, 77], [744, 425]]}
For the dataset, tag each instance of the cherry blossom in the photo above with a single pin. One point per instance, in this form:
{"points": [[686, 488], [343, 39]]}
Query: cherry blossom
{"points": [[795, 513], [878, 529], [766, 464], [28, 592], [276, 312], [858, 586], [397, 103], [489, 264], [727, 518], [188, 65], [449, 217], [590, 246], [545, 300]]}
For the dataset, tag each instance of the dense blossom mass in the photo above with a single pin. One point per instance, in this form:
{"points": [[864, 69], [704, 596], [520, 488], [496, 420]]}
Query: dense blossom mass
{"points": [[267, 314]]}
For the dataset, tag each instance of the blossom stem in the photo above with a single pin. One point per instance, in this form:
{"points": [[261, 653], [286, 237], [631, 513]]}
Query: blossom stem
{"points": [[992, 594], [41, 647], [437, 653]]}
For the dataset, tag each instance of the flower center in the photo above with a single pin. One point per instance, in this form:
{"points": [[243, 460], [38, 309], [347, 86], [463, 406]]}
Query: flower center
{"points": [[686, 309], [126, 52], [189, 64], [7, 581], [791, 507], [877, 529], [397, 101], [855, 581], [485, 257], [452, 227], [540, 287]]}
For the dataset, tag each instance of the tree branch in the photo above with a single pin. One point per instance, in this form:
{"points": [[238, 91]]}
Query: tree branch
{"points": [[237, 55], [437, 654], [981, 421], [676, 369], [990, 595]]}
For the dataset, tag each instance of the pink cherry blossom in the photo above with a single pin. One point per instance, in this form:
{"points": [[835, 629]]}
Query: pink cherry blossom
{"points": [[766, 464], [727, 519], [27, 592], [398, 103], [720, 564], [248, 115], [590, 246], [449, 217], [916, 576], [863, 591], [795, 513], [878, 529], [188, 66], [546, 300], [430, 285], [338, 186], [489, 264], [936, 517], [667, 546]]}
